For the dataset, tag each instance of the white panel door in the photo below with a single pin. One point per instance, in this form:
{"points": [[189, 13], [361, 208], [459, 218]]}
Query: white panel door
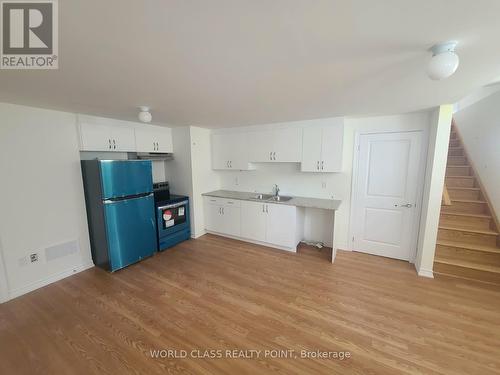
{"points": [[95, 137], [385, 194], [311, 149], [123, 138], [332, 141], [287, 145], [260, 146], [231, 221], [281, 222], [253, 221]]}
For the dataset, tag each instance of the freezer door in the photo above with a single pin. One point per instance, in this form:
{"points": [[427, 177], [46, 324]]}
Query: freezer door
{"points": [[130, 229], [122, 178]]}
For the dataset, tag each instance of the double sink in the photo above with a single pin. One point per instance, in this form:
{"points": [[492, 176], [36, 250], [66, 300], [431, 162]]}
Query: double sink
{"points": [[271, 198]]}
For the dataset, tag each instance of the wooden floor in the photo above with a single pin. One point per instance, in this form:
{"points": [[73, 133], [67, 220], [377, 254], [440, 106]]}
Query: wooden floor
{"points": [[216, 293]]}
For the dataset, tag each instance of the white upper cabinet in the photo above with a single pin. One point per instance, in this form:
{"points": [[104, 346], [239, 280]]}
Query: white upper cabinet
{"points": [[322, 148], [96, 135], [104, 134], [277, 145], [154, 139], [230, 151]]}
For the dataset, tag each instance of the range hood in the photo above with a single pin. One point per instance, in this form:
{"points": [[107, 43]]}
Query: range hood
{"points": [[155, 156]]}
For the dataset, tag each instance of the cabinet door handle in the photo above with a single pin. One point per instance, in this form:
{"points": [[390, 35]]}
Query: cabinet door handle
{"points": [[317, 166], [114, 144], [222, 210], [322, 163], [271, 155], [157, 146], [263, 210], [109, 140], [230, 164], [267, 207]]}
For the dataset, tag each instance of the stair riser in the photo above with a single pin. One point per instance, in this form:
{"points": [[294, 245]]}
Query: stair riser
{"points": [[453, 135], [464, 194], [466, 208], [457, 160], [455, 152], [467, 237], [459, 182], [458, 171], [469, 255], [454, 142], [465, 222], [468, 273]]}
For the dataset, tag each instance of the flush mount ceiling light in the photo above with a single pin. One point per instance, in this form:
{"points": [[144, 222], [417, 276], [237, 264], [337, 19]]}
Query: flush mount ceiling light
{"points": [[145, 114], [444, 61]]}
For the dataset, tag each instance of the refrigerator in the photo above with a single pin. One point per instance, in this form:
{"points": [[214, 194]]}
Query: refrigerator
{"points": [[120, 211]]}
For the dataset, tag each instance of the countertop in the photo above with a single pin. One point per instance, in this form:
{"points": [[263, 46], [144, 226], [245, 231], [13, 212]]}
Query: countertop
{"points": [[325, 204]]}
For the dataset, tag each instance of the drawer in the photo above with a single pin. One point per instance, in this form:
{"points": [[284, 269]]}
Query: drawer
{"points": [[223, 201], [230, 202]]}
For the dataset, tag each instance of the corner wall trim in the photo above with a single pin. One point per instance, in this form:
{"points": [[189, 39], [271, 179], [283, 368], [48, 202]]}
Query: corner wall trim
{"points": [[425, 273], [48, 280]]}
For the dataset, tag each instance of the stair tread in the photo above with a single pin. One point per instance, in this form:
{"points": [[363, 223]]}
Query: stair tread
{"points": [[462, 188], [460, 177], [483, 216], [457, 166], [469, 229], [466, 264], [488, 249], [467, 201]]}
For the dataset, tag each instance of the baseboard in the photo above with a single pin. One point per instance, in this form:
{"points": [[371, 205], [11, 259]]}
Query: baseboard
{"points": [[198, 235], [48, 280], [266, 244], [425, 273]]}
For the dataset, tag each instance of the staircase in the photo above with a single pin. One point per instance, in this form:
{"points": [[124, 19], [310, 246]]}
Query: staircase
{"points": [[468, 239]]}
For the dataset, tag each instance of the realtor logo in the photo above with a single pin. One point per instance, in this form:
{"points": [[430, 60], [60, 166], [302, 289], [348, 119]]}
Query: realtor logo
{"points": [[29, 35]]}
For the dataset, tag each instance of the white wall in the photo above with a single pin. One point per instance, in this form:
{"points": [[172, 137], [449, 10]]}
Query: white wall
{"points": [[204, 178], [41, 195], [479, 126], [4, 286], [437, 158], [327, 185], [190, 172], [178, 171]]}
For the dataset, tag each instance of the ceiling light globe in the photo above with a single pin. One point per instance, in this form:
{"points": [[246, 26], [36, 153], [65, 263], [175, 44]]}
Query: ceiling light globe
{"points": [[443, 65], [145, 116]]}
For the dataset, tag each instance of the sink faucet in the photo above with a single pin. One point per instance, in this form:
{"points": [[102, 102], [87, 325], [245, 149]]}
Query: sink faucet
{"points": [[276, 190]]}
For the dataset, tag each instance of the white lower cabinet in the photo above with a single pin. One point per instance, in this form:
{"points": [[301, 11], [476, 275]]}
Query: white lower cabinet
{"points": [[276, 225], [281, 223], [253, 220], [223, 216]]}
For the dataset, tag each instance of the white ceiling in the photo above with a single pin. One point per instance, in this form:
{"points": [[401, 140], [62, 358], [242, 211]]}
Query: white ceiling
{"points": [[233, 62]]}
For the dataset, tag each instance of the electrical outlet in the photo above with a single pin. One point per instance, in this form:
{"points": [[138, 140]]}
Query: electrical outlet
{"points": [[34, 257], [323, 185]]}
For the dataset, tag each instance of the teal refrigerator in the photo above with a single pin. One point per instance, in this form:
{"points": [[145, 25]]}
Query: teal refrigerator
{"points": [[120, 211]]}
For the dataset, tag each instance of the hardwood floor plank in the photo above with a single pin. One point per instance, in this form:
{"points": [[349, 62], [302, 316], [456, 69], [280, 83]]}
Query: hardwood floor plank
{"points": [[222, 294]]}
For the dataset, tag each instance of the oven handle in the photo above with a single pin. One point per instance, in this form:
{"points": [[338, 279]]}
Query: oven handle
{"points": [[173, 205]]}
